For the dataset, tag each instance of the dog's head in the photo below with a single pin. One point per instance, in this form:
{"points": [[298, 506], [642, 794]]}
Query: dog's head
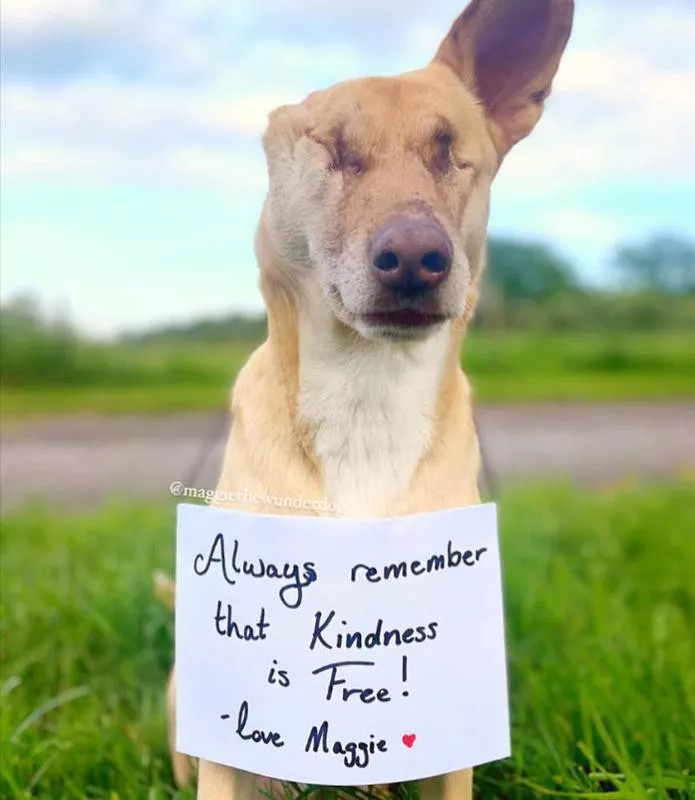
{"points": [[379, 188]]}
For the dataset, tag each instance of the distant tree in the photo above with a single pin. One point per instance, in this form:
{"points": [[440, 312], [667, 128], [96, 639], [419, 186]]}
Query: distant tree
{"points": [[34, 346], [527, 271], [234, 328], [665, 263]]}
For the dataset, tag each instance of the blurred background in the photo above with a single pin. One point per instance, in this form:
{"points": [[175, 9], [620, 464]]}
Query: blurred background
{"points": [[132, 180]]}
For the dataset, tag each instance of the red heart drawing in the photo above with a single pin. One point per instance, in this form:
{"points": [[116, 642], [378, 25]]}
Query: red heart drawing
{"points": [[409, 739]]}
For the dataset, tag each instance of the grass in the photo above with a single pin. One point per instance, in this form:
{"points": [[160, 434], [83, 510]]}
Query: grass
{"points": [[600, 604], [503, 367]]}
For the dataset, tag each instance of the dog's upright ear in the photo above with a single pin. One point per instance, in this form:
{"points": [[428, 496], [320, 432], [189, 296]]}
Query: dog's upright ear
{"points": [[507, 53]]}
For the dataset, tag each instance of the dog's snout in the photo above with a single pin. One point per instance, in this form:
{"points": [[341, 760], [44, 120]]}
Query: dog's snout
{"points": [[411, 254]]}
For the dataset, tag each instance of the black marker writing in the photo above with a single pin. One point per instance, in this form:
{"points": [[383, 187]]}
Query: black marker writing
{"points": [[258, 736], [291, 594], [325, 634], [227, 626], [356, 753], [367, 695], [279, 676], [451, 559]]}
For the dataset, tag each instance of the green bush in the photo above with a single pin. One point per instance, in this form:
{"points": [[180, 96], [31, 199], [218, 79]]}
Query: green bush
{"points": [[36, 352]]}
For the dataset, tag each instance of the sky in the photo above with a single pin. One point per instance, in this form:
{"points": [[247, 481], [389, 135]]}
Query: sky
{"points": [[132, 170]]}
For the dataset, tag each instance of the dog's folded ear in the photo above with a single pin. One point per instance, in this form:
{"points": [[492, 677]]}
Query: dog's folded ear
{"points": [[286, 124], [507, 53]]}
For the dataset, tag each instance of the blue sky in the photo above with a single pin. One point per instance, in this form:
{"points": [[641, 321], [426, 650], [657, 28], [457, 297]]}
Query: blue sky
{"points": [[132, 174]]}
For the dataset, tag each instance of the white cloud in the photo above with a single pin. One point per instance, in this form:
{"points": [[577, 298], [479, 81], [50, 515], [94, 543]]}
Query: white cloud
{"points": [[621, 106], [29, 15], [100, 131], [574, 225], [99, 111], [46, 162], [181, 166], [51, 41]]}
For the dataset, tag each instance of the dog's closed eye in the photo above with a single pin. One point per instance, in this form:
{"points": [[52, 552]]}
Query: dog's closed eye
{"points": [[343, 157], [444, 158]]}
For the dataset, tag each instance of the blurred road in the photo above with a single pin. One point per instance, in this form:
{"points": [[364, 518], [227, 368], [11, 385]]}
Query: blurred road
{"points": [[83, 460]]}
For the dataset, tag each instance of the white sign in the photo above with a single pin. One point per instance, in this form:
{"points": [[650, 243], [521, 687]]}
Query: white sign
{"points": [[340, 652]]}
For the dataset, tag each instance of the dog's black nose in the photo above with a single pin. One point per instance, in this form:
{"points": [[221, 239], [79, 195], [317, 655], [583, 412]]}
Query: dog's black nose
{"points": [[411, 254]]}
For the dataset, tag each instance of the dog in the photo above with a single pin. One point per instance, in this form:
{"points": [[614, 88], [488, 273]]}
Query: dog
{"points": [[371, 246]]}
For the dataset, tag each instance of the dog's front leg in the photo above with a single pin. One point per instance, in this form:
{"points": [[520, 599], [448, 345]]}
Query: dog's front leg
{"points": [[217, 782], [454, 786]]}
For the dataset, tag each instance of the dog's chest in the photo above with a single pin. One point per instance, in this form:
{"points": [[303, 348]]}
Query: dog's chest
{"points": [[372, 412]]}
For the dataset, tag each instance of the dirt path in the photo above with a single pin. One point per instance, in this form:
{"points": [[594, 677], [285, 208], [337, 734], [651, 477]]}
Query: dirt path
{"points": [[81, 461]]}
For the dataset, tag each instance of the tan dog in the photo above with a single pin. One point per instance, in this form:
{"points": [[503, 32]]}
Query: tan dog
{"points": [[371, 248]]}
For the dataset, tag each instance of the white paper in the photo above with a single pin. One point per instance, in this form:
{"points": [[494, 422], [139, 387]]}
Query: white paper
{"points": [[434, 693]]}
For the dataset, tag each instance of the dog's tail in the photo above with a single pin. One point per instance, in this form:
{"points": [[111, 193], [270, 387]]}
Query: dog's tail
{"points": [[164, 589]]}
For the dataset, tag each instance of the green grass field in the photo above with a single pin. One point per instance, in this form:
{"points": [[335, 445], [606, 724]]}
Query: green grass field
{"points": [[600, 604], [503, 368]]}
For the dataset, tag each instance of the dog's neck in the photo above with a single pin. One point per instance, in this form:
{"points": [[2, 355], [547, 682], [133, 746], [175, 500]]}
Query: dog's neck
{"points": [[370, 409], [378, 428]]}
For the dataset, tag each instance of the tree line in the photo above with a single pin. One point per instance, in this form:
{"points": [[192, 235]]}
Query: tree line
{"points": [[530, 286], [527, 286]]}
